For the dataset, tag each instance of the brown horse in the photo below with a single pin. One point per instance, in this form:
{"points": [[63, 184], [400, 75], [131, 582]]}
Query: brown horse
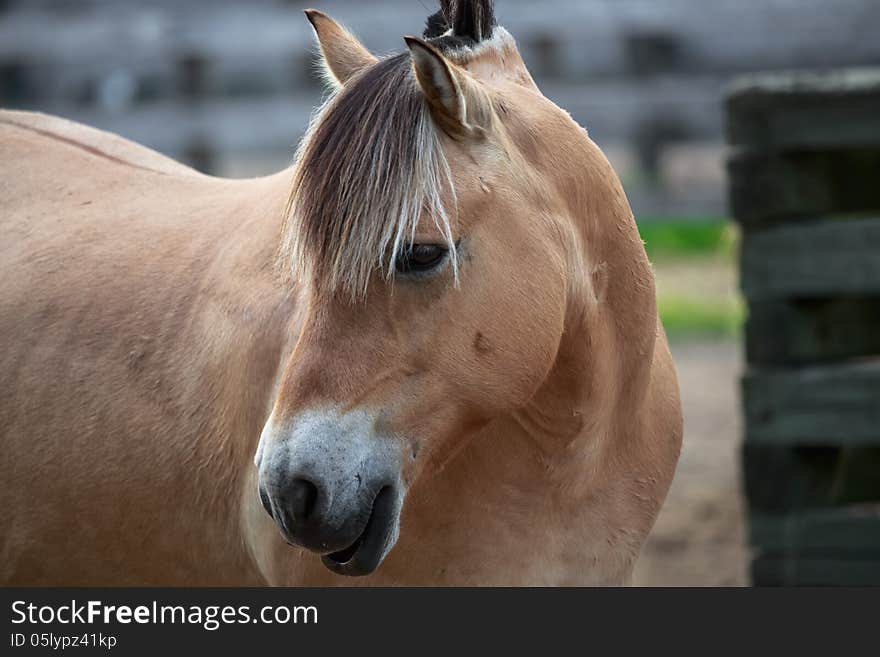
{"points": [[456, 376]]}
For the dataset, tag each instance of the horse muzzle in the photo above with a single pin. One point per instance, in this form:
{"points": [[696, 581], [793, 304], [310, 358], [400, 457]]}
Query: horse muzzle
{"points": [[332, 486]]}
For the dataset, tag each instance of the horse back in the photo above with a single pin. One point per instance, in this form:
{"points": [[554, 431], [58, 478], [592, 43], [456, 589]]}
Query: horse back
{"points": [[38, 129]]}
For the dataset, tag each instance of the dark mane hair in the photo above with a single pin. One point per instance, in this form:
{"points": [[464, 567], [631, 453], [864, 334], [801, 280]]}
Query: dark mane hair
{"points": [[371, 164], [461, 23]]}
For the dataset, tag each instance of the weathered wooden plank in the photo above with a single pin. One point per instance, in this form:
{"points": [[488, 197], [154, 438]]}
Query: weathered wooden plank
{"points": [[808, 331], [784, 479], [820, 548], [766, 188], [852, 532], [610, 109], [238, 126], [792, 571], [812, 260], [805, 110], [832, 405], [591, 35]]}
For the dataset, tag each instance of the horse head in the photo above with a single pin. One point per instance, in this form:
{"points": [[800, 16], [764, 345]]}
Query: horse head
{"points": [[450, 230]]}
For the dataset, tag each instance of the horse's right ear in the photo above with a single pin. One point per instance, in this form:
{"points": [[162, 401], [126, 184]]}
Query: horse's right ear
{"points": [[457, 100], [342, 53]]}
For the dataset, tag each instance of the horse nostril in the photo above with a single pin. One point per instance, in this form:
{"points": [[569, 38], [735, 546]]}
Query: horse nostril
{"points": [[264, 500], [301, 498]]}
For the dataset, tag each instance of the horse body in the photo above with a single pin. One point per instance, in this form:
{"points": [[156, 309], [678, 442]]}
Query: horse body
{"points": [[142, 330], [148, 340]]}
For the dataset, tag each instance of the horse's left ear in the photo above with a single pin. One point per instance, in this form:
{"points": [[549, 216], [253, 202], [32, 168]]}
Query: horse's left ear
{"points": [[342, 53], [457, 100]]}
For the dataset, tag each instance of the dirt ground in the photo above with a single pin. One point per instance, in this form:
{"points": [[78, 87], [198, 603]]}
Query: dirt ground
{"points": [[699, 538]]}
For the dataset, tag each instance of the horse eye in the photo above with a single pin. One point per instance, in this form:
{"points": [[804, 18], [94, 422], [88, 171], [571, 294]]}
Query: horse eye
{"points": [[420, 258]]}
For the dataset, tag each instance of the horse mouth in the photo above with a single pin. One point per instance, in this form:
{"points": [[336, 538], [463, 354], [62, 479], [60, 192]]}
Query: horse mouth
{"points": [[366, 553]]}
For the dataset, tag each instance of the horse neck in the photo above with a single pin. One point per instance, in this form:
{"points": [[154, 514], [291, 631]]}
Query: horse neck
{"points": [[250, 317], [588, 410]]}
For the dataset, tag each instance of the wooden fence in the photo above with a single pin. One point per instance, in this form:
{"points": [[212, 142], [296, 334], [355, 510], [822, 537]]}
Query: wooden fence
{"points": [[805, 188], [227, 86]]}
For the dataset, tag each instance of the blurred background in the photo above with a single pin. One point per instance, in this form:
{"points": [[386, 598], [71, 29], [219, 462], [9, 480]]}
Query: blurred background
{"points": [[228, 87]]}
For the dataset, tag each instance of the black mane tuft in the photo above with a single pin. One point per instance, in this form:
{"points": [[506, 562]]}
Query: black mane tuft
{"points": [[436, 26], [472, 21]]}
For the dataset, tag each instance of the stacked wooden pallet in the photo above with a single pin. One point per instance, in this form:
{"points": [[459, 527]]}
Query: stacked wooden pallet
{"points": [[805, 189]]}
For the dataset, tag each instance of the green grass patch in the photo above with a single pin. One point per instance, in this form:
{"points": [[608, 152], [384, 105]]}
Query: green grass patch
{"points": [[685, 237], [686, 317], [705, 244]]}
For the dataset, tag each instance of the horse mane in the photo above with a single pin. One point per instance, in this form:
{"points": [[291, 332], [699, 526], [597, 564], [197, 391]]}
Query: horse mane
{"points": [[461, 24], [371, 164]]}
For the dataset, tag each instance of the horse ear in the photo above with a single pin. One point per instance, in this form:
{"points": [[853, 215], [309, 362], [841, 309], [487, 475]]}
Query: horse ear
{"points": [[457, 101], [342, 53]]}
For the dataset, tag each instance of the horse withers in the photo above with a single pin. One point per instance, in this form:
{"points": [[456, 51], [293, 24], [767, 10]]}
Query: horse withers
{"points": [[428, 353]]}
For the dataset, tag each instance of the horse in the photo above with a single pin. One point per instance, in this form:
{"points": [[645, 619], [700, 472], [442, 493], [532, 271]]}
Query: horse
{"points": [[427, 353]]}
